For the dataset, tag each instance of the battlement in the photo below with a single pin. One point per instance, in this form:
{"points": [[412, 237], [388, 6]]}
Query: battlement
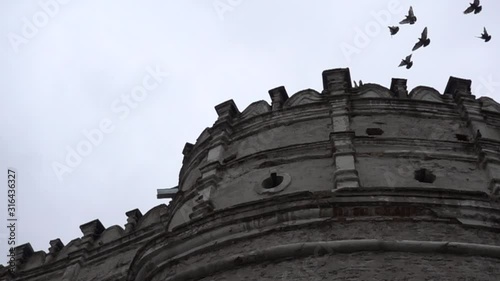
{"points": [[232, 124], [334, 158], [95, 239]]}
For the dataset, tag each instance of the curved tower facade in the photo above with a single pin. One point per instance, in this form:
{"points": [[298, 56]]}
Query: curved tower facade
{"points": [[353, 183]]}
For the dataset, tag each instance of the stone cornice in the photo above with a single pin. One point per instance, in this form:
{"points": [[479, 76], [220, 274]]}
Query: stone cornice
{"points": [[290, 116], [346, 196], [200, 152], [381, 106], [288, 154], [316, 204], [415, 149], [300, 250]]}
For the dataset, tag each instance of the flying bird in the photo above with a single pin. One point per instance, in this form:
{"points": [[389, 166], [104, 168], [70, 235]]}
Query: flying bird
{"points": [[474, 7], [410, 18], [407, 61], [394, 29], [422, 41], [485, 36]]}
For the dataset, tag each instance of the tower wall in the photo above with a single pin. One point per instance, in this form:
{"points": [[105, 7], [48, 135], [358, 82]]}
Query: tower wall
{"points": [[364, 183]]}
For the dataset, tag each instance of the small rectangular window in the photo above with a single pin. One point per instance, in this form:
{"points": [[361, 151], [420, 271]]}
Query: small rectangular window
{"points": [[374, 131]]}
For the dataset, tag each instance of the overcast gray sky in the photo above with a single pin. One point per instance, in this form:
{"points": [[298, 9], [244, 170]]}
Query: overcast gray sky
{"points": [[141, 78]]}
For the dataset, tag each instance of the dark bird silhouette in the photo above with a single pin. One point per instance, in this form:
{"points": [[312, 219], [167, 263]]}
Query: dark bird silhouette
{"points": [[478, 134], [410, 18], [422, 41], [485, 36], [407, 61], [474, 7], [356, 84], [394, 29]]}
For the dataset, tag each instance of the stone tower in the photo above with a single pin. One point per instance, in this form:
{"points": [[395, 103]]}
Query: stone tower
{"points": [[353, 183]]}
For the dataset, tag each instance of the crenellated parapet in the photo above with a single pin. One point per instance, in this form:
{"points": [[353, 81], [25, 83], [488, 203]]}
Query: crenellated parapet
{"points": [[91, 231], [23, 253], [97, 242], [247, 136], [459, 87], [133, 218], [398, 87], [336, 81], [278, 97], [407, 172]]}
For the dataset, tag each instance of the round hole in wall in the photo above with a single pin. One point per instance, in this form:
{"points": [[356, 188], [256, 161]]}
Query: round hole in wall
{"points": [[272, 181]]}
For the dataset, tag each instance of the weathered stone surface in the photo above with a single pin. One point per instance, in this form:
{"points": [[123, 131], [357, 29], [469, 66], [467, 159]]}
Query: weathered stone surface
{"points": [[370, 266]]}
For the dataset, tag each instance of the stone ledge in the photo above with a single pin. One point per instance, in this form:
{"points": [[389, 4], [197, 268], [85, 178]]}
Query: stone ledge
{"points": [[300, 250], [299, 207], [348, 196]]}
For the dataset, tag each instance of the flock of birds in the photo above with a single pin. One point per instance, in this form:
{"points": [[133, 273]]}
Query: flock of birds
{"points": [[424, 41]]}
